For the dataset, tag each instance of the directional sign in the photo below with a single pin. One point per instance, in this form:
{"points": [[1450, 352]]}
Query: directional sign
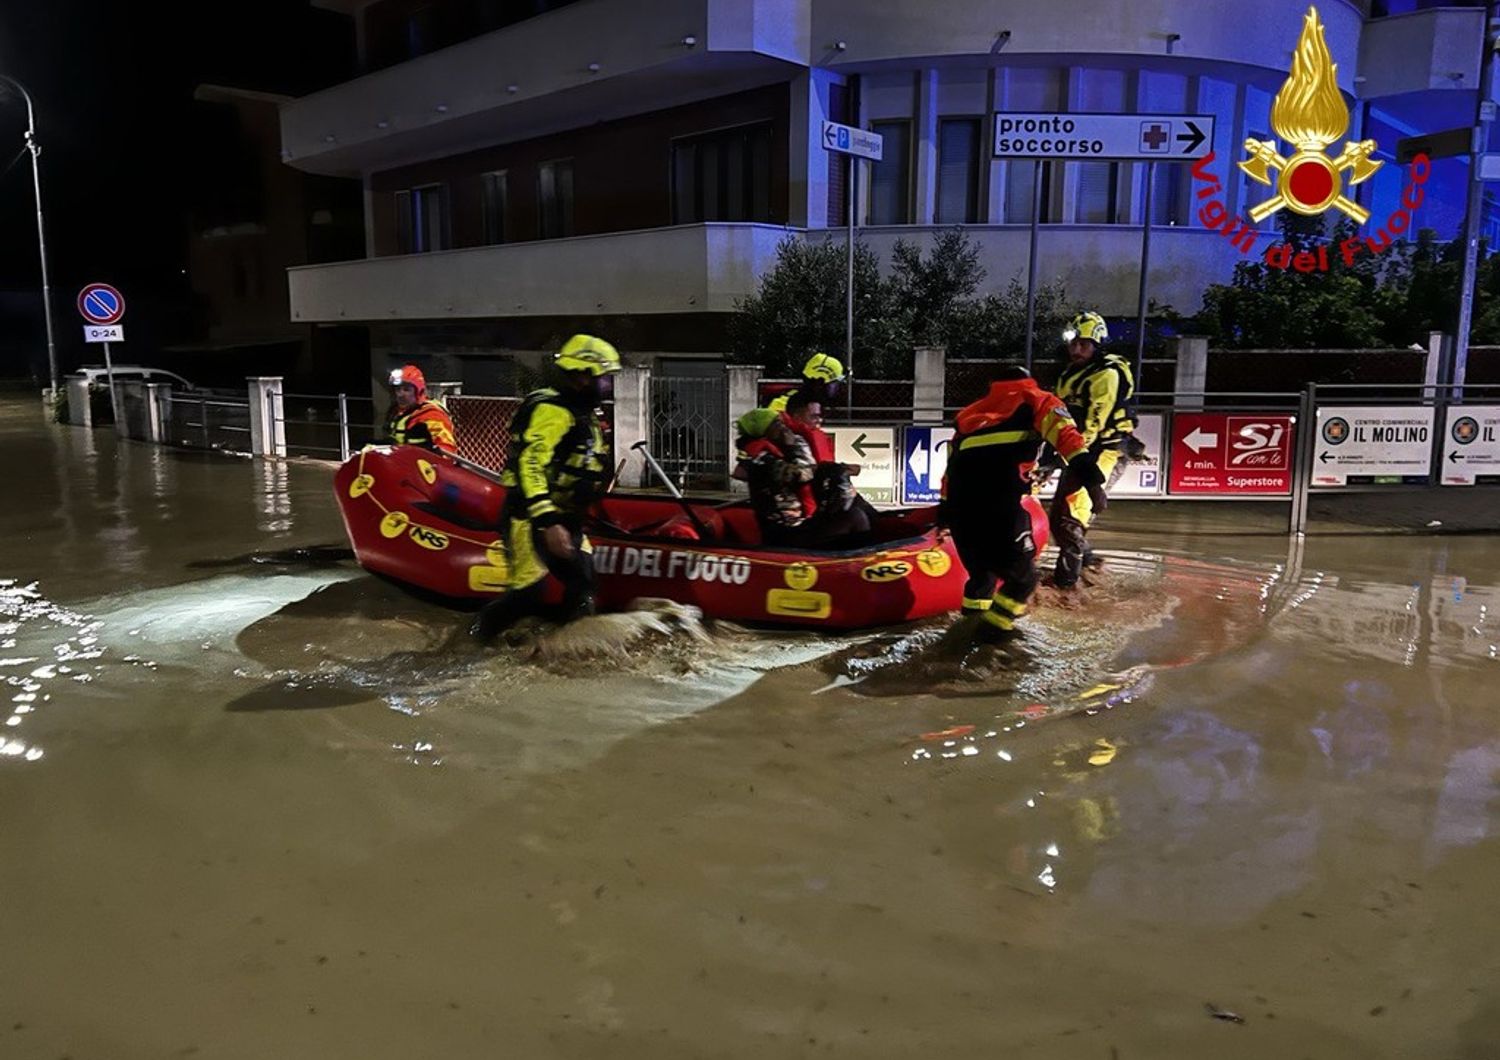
{"points": [[104, 333], [1471, 445], [1359, 444], [848, 140], [874, 450], [1239, 455], [926, 461], [1449, 143], [1168, 137], [99, 303]]}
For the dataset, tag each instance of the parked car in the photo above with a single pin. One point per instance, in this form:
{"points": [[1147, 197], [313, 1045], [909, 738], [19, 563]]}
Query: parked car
{"points": [[98, 376]]}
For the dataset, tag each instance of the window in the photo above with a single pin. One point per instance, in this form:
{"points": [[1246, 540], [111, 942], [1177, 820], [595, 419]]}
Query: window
{"points": [[555, 198], [1098, 193], [419, 32], [890, 182], [495, 202], [958, 171], [422, 220], [722, 176], [1169, 195], [1018, 192]]}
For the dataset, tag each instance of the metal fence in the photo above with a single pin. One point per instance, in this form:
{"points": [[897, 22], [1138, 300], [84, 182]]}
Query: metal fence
{"points": [[690, 429], [206, 420], [483, 426], [328, 426]]}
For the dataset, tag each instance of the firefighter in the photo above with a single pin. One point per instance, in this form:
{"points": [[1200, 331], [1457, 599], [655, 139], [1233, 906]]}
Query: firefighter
{"points": [[414, 420], [994, 448], [557, 467], [1097, 387], [822, 376]]}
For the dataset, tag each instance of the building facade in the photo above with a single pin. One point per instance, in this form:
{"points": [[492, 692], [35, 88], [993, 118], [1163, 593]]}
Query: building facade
{"points": [[532, 168]]}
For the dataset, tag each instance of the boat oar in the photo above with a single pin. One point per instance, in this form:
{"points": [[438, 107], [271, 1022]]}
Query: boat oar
{"points": [[661, 473]]}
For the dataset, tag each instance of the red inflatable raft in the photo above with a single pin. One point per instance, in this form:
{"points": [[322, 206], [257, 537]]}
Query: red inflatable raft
{"points": [[423, 520]]}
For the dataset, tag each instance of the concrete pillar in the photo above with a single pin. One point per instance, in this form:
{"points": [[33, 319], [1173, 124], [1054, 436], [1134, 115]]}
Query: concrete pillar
{"points": [[267, 417], [1435, 370], [158, 412], [808, 191], [744, 395], [131, 422], [80, 407], [448, 389], [930, 377], [1191, 353], [924, 138], [992, 188], [632, 423]]}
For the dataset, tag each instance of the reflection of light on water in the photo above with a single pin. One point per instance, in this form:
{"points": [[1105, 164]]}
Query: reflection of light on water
{"points": [[274, 507]]}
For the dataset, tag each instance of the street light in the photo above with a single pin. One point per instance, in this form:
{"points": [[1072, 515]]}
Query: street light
{"points": [[41, 232]]}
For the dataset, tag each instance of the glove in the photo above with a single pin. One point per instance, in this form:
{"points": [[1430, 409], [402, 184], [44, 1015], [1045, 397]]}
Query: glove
{"points": [[1085, 467]]}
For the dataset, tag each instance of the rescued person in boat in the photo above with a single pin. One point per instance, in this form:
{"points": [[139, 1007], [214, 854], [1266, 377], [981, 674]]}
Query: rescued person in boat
{"points": [[414, 418], [833, 485], [777, 463], [996, 443], [558, 466]]}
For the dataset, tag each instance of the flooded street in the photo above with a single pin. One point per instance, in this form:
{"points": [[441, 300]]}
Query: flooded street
{"points": [[1234, 800]]}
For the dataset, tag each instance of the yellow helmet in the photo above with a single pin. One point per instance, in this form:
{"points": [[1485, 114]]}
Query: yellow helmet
{"points": [[585, 353], [822, 367], [1088, 325]]}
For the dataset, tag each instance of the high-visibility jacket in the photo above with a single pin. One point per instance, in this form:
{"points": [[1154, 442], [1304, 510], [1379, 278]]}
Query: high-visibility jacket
{"points": [[426, 424], [559, 459], [996, 444], [1098, 394]]}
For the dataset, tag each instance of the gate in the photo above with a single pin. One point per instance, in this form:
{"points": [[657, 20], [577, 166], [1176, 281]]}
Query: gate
{"points": [[690, 425]]}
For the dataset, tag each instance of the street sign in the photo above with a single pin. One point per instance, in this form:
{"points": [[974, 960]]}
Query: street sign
{"points": [[1231, 455], [874, 450], [1471, 445], [1358, 444], [1489, 166], [1450, 143], [1142, 137], [99, 303], [925, 452], [847, 140], [104, 333]]}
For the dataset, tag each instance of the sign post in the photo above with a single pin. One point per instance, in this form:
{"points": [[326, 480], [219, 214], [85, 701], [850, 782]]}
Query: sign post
{"points": [[1098, 137], [1231, 454], [852, 143], [874, 450], [103, 308], [1379, 444]]}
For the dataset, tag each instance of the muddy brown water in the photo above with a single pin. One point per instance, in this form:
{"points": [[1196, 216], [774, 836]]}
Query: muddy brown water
{"points": [[255, 803]]}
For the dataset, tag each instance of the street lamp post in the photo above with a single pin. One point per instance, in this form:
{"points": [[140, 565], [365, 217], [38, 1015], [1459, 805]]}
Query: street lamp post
{"points": [[41, 230]]}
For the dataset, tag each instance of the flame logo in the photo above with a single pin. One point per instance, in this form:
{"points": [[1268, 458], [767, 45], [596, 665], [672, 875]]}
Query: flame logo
{"points": [[1310, 112]]}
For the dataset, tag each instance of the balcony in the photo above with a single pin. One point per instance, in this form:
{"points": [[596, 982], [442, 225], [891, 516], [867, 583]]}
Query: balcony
{"points": [[859, 35], [685, 269], [589, 62], [706, 268], [1433, 50]]}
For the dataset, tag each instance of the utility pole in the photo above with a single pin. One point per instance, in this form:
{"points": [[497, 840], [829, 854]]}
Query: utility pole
{"points": [[1483, 114], [41, 228]]}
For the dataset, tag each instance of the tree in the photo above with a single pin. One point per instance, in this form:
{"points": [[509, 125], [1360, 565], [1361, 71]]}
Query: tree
{"points": [[799, 309]]}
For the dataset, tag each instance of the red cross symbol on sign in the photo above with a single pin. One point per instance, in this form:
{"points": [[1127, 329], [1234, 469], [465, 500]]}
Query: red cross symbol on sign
{"points": [[1154, 136]]}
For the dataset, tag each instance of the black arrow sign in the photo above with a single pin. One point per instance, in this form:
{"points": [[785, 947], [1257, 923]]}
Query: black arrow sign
{"points": [[1454, 457], [830, 136], [862, 444], [1323, 458], [1193, 138]]}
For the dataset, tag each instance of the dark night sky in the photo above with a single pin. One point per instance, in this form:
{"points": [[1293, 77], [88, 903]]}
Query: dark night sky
{"points": [[113, 82]]}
